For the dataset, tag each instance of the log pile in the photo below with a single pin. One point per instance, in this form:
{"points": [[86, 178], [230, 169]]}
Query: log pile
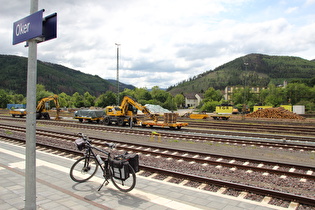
{"points": [[279, 113], [170, 117]]}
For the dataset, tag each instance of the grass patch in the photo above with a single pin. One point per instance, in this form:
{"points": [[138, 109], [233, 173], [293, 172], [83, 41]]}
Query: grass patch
{"points": [[173, 140], [39, 124], [8, 132]]}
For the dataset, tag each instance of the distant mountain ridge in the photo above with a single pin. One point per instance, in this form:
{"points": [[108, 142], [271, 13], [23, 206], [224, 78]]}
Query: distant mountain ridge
{"points": [[56, 78], [260, 71], [122, 86], [257, 69]]}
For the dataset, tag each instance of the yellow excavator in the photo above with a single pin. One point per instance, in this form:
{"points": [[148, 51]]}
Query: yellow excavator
{"points": [[126, 114], [41, 111], [123, 114]]}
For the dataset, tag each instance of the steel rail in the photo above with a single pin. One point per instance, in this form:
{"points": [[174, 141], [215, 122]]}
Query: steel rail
{"points": [[255, 127], [307, 129], [247, 188], [237, 186], [156, 151], [260, 142], [173, 150]]}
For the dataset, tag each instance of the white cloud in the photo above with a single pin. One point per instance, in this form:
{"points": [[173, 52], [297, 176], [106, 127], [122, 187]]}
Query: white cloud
{"points": [[291, 9], [310, 2], [164, 42]]}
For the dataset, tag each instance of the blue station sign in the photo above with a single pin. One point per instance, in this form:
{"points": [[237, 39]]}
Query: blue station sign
{"points": [[50, 27], [28, 28]]}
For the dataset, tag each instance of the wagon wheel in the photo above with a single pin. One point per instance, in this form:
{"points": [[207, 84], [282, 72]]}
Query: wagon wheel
{"points": [[120, 122], [107, 121]]}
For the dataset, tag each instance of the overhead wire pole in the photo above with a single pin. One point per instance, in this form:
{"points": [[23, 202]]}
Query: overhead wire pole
{"points": [[245, 98], [30, 154], [117, 72]]}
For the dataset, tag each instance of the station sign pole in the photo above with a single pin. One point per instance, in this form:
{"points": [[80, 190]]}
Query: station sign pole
{"points": [[33, 29], [30, 154]]}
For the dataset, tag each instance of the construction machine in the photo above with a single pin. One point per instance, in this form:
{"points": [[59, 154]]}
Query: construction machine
{"points": [[41, 111], [126, 114], [18, 112]]}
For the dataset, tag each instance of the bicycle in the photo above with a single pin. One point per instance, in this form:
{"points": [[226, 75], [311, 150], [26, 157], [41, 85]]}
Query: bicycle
{"points": [[120, 169]]}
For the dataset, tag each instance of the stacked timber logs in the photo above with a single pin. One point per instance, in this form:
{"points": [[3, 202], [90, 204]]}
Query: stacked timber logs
{"points": [[170, 117], [278, 112]]}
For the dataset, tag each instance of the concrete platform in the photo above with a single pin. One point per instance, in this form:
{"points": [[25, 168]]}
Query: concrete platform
{"points": [[55, 189]]}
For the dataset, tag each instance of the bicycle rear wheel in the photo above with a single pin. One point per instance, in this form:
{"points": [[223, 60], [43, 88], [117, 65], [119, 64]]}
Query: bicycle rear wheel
{"points": [[126, 185], [83, 169]]}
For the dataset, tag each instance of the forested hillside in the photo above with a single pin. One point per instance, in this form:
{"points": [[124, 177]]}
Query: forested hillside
{"points": [[259, 71], [56, 78], [122, 86], [76, 89]]}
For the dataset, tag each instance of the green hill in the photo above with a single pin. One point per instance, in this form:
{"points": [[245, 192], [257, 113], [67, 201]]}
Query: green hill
{"points": [[122, 86], [260, 71], [56, 78]]}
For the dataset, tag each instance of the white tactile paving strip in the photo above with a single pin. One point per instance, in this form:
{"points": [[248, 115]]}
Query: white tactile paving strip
{"points": [[162, 200]]}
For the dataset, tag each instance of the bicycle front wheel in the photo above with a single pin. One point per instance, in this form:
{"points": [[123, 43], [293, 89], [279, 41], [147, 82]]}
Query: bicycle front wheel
{"points": [[83, 169], [126, 185]]}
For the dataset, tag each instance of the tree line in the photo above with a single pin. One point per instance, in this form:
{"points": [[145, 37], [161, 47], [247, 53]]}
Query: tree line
{"points": [[143, 96], [295, 93]]}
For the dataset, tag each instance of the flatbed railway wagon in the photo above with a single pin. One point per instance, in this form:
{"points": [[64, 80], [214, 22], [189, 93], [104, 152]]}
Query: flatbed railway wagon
{"points": [[151, 123], [170, 120], [198, 116], [220, 117], [89, 115]]}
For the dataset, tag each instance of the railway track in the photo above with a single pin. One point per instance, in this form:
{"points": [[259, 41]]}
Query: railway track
{"points": [[233, 138], [186, 158], [243, 189], [304, 172], [308, 130], [246, 126]]}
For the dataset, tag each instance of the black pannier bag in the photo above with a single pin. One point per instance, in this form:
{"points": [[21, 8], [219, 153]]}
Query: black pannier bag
{"points": [[80, 144], [120, 169], [133, 160]]}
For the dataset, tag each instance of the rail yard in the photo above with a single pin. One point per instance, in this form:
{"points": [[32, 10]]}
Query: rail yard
{"points": [[273, 163]]}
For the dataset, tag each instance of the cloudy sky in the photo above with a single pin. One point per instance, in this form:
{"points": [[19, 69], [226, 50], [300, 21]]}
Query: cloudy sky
{"points": [[164, 42]]}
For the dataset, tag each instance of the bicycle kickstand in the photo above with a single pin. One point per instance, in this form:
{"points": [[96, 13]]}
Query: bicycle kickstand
{"points": [[106, 182]]}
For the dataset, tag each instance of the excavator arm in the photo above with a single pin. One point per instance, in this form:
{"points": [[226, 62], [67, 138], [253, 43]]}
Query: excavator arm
{"points": [[41, 109], [127, 100], [123, 114]]}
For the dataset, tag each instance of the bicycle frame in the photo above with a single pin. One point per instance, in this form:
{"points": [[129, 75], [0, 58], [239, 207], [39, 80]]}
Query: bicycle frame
{"points": [[115, 168], [89, 151], [105, 168]]}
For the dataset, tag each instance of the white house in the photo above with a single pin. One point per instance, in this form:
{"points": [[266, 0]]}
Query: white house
{"points": [[193, 99]]}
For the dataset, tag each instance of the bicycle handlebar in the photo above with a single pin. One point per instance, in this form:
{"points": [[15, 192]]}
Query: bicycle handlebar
{"points": [[111, 145], [82, 135], [85, 138]]}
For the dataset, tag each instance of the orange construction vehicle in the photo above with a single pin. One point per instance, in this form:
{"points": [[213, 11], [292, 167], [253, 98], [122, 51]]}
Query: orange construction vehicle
{"points": [[126, 113], [41, 109]]}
